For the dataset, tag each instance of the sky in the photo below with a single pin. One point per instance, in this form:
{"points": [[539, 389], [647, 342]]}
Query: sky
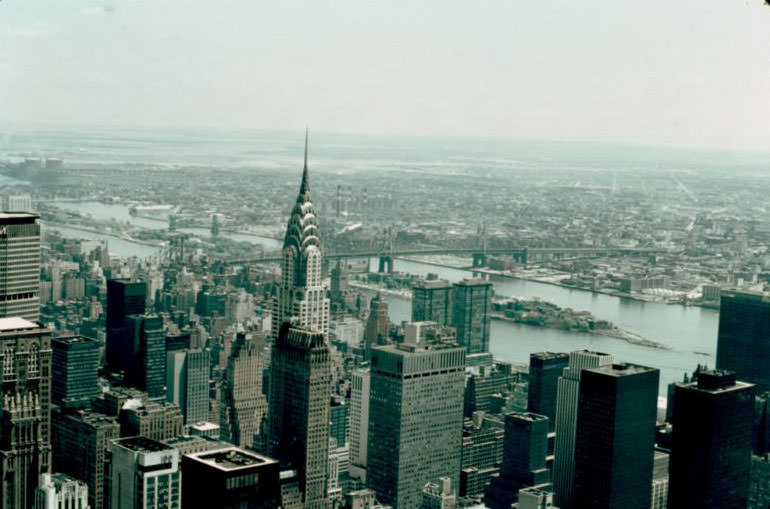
{"points": [[692, 73]]}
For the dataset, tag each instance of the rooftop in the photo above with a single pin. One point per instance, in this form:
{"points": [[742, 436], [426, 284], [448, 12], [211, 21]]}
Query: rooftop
{"points": [[231, 458], [17, 323], [17, 217], [71, 340], [623, 369], [142, 444]]}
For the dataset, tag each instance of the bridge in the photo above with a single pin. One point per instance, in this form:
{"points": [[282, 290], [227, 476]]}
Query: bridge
{"points": [[479, 257]]}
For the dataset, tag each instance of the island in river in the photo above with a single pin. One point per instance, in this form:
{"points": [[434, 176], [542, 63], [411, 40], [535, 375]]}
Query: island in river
{"points": [[540, 313]]}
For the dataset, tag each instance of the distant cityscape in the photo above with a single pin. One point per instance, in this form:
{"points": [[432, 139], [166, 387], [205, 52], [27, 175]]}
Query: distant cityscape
{"points": [[494, 338]]}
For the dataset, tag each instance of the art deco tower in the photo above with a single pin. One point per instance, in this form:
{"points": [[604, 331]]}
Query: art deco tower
{"points": [[301, 298]]}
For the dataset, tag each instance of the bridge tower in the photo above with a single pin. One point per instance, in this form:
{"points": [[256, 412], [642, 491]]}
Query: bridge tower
{"points": [[480, 256], [386, 245]]}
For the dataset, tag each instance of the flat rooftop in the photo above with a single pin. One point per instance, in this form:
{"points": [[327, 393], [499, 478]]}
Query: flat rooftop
{"points": [[17, 323], [142, 444], [231, 458], [622, 369], [17, 217], [71, 340]]}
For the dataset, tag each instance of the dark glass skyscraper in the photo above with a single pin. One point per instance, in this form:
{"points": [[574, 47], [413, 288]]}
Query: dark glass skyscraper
{"points": [[615, 437], [75, 366], [545, 368], [147, 371], [743, 342], [711, 442], [470, 314], [124, 298], [432, 301]]}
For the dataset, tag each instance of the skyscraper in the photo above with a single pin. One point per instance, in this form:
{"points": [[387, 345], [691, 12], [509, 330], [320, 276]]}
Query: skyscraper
{"points": [[545, 368], [75, 365], [711, 442], [25, 428], [60, 490], [300, 389], [415, 419], [20, 258], [524, 450], [377, 325], [432, 301], [743, 341], [470, 314], [124, 298], [147, 369], [243, 403], [567, 398], [359, 421], [301, 295], [187, 383], [144, 474], [615, 437]]}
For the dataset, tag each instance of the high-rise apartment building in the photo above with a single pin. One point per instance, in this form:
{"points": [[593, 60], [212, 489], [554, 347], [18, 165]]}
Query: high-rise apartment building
{"points": [[75, 366], [470, 314], [144, 474], [187, 383], [432, 301], [243, 403], [711, 442], [415, 419], [80, 446], [524, 464], [301, 295], [231, 478], [377, 325], [25, 429], [545, 369], [124, 298], [615, 437], [300, 390], [567, 398], [743, 341], [20, 259]]}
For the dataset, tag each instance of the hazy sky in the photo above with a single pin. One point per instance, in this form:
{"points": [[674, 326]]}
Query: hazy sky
{"points": [[678, 72]]}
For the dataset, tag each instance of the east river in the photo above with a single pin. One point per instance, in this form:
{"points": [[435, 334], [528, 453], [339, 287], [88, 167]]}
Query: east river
{"points": [[690, 332]]}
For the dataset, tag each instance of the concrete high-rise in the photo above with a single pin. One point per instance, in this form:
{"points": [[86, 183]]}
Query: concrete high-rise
{"points": [[124, 298], [20, 259], [432, 301], [359, 421], [187, 383], [25, 429], [243, 403], [567, 397], [470, 314], [75, 366], [377, 325], [301, 295], [300, 390], [743, 341], [615, 437], [415, 419], [711, 442], [144, 474], [60, 491], [545, 368]]}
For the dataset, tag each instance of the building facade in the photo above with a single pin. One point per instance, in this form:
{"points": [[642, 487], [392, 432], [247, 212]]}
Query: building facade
{"points": [[124, 298], [471, 309], [187, 383], [75, 366], [59, 491], [432, 301], [144, 474], [20, 258], [545, 369]]}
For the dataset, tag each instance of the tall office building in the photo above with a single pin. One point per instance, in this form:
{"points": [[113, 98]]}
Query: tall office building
{"points": [[359, 422], [301, 295], [615, 437], [470, 314], [59, 491], [743, 341], [524, 465], [415, 419], [75, 366], [432, 301], [545, 368], [377, 325], [187, 383], [243, 403], [300, 390], [124, 298], [231, 478], [144, 474], [80, 445], [711, 442], [157, 421], [567, 398], [20, 258], [147, 371], [483, 441], [25, 428]]}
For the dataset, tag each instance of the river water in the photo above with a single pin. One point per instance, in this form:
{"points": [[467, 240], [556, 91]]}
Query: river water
{"points": [[690, 332]]}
